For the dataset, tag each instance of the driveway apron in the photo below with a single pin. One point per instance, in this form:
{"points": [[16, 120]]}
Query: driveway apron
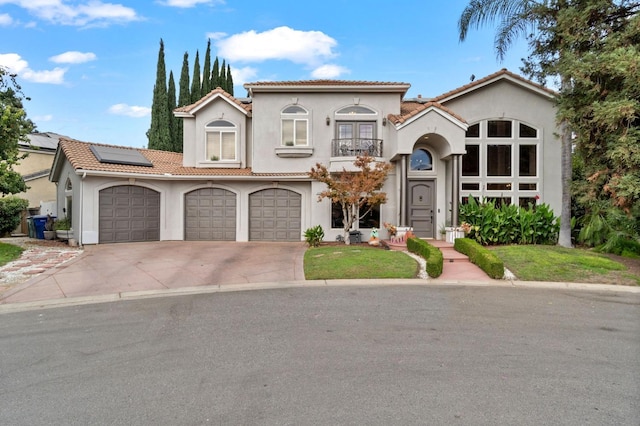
{"points": [[114, 268]]}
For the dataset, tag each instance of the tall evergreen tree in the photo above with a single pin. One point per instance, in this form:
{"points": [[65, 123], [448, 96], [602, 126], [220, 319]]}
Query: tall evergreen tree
{"points": [[174, 127], [206, 71], [229, 80], [223, 76], [184, 98], [196, 87], [215, 74], [159, 134]]}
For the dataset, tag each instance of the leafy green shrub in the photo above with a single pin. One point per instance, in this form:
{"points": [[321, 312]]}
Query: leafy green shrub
{"points": [[314, 236], [432, 255], [510, 224], [481, 256], [11, 208]]}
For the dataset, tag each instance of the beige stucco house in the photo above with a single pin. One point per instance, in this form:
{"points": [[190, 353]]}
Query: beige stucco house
{"points": [[243, 173]]}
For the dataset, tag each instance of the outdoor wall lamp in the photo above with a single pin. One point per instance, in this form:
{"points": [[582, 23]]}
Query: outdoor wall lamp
{"points": [[328, 120], [384, 121]]}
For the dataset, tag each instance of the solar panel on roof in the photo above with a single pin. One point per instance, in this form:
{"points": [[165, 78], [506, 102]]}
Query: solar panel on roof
{"points": [[115, 155]]}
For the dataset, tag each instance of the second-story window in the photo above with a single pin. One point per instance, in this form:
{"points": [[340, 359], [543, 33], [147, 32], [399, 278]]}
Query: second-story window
{"points": [[221, 141], [356, 132], [295, 126]]}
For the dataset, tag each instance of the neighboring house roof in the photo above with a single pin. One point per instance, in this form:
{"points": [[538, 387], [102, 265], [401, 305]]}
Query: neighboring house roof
{"points": [[36, 175], [166, 165], [46, 141], [327, 85], [189, 110]]}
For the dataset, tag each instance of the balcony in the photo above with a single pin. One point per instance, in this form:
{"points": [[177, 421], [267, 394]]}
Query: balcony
{"points": [[353, 147]]}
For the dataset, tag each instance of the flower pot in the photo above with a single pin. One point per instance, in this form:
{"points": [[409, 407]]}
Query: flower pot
{"points": [[64, 234], [452, 233], [49, 235]]}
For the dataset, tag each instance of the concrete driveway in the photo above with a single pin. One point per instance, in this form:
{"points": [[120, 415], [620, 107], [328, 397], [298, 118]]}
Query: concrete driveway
{"points": [[107, 269]]}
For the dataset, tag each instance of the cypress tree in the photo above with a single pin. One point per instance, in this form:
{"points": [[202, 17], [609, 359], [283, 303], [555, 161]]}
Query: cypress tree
{"points": [[195, 83], [229, 80], [184, 98], [223, 76], [174, 127], [158, 134], [206, 72], [215, 74]]}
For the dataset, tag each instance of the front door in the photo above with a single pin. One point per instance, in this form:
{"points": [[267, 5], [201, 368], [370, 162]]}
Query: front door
{"points": [[421, 199]]}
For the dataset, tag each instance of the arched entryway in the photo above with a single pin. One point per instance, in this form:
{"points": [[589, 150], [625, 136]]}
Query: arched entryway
{"points": [[421, 193]]}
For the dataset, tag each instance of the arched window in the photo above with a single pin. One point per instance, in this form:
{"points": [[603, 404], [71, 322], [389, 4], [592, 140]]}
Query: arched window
{"points": [[295, 126], [221, 141], [421, 160], [355, 109]]}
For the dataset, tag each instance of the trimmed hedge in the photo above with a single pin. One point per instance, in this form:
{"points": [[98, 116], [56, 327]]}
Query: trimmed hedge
{"points": [[481, 256], [432, 255]]}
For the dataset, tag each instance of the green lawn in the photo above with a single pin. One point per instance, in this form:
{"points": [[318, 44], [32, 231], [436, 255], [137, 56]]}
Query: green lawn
{"points": [[8, 253], [353, 262], [552, 263]]}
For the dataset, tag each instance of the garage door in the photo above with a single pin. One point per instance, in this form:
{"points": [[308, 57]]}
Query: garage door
{"points": [[274, 215], [129, 213], [210, 215]]}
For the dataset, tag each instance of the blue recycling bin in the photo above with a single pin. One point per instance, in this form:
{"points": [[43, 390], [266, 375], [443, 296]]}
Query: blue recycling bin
{"points": [[38, 222]]}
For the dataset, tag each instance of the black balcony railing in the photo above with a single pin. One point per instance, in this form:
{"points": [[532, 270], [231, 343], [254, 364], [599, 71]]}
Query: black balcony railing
{"points": [[356, 146]]}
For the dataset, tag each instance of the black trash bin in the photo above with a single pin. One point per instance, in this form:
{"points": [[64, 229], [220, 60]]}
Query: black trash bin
{"points": [[355, 237]]}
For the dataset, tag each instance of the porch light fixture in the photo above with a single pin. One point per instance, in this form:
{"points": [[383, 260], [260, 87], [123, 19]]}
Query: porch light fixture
{"points": [[328, 120], [384, 121]]}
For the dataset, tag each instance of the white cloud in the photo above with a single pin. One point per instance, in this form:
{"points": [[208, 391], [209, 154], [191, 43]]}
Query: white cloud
{"points": [[301, 47], [243, 75], [190, 3], [5, 20], [54, 76], [329, 71], [216, 35], [17, 65], [73, 57], [90, 13], [130, 110]]}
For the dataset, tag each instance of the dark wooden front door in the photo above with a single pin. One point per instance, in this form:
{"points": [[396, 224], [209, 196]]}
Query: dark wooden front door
{"points": [[421, 199]]}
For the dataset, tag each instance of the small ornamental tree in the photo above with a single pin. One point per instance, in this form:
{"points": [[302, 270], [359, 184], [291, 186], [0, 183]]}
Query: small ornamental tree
{"points": [[357, 192]]}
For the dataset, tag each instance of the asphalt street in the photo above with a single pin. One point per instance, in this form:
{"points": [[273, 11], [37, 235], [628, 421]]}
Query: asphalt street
{"points": [[351, 355]]}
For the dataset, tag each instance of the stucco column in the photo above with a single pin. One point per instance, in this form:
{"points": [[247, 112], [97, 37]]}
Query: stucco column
{"points": [[403, 191], [455, 189]]}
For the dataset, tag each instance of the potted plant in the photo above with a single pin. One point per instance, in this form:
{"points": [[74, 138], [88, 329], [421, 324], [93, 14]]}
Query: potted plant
{"points": [[49, 232], [63, 229]]}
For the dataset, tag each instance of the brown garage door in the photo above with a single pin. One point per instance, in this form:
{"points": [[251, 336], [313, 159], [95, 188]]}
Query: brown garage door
{"points": [[210, 215], [129, 213], [274, 215]]}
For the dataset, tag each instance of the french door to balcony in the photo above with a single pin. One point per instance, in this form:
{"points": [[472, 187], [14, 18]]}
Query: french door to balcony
{"points": [[356, 138]]}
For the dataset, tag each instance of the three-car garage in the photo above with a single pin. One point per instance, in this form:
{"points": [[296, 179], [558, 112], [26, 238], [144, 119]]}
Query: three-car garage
{"points": [[130, 213]]}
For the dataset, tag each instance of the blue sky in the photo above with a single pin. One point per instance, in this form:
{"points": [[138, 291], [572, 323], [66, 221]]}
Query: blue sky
{"points": [[89, 66]]}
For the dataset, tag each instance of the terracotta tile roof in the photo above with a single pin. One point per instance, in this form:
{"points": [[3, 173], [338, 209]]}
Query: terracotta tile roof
{"points": [[164, 163], [411, 109], [324, 83], [211, 94], [480, 82]]}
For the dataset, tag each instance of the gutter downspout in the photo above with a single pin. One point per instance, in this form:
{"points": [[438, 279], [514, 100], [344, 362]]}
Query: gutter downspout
{"points": [[80, 242]]}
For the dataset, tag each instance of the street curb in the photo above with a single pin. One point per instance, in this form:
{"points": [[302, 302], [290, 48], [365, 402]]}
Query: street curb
{"points": [[187, 291]]}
